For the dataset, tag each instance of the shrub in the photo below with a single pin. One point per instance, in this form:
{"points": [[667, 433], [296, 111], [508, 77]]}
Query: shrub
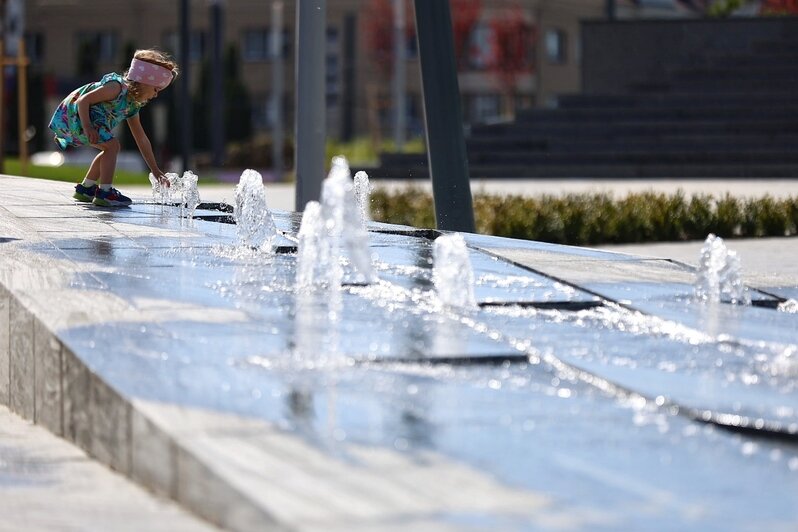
{"points": [[728, 217], [587, 219], [765, 217], [699, 217]]}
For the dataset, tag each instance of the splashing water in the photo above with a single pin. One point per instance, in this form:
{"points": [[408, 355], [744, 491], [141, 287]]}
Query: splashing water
{"points": [[719, 274], [331, 230], [790, 306], [189, 193], [312, 250], [160, 192], [452, 274], [363, 195], [254, 222], [182, 189], [342, 217]]}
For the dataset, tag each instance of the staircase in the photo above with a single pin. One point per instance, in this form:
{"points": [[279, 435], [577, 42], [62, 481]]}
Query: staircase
{"points": [[721, 112]]}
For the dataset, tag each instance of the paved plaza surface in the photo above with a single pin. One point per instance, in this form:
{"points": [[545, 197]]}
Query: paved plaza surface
{"points": [[588, 390], [48, 484]]}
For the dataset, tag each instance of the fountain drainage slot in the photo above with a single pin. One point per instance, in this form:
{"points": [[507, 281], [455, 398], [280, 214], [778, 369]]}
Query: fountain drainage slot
{"points": [[228, 219], [753, 427], [285, 250], [222, 207], [429, 234], [568, 306], [766, 303], [457, 360], [218, 218]]}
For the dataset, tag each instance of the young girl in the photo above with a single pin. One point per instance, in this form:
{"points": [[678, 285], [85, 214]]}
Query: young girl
{"points": [[90, 113]]}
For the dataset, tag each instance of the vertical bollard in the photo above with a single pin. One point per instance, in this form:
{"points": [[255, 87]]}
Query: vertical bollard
{"points": [[311, 123], [399, 73], [277, 88], [2, 96], [22, 106], [185, 84], [446, 151], [217, 78]]}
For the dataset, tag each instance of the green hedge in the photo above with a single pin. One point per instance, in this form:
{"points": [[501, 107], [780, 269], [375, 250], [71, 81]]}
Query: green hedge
{"points": [[589, 219]]}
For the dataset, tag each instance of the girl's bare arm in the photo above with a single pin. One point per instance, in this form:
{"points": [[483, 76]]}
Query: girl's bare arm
{"points": [[143, 142], [105, 93]]}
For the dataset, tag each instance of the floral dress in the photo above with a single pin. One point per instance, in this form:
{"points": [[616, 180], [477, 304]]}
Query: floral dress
{"points": [[104, 116]]}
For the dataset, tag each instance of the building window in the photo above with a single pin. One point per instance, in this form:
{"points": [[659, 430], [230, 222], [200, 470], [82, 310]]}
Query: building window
{"points": [[34, 47], [332, 68], [262, 118], [258, 45], [484, 107], [196, 44], [103, 44], [95, 48], [555, 42]]}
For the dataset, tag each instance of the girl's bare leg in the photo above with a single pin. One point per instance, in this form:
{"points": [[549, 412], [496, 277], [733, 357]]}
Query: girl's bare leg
{"points": [[93, 173], [106, 161]]}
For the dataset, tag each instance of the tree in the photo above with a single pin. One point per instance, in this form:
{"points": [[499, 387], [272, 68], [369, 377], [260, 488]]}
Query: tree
{"points": [[237, 106], [465, 15], [377, 29], [779, 7], [237, 101], [512, 50], [699, 6]]}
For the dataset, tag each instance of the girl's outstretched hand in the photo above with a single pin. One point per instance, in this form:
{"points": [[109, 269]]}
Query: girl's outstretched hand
{"points": [[164, 181]]}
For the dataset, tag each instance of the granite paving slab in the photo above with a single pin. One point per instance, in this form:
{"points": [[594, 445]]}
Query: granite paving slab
{"points": [[197, 368], [47, 484]]}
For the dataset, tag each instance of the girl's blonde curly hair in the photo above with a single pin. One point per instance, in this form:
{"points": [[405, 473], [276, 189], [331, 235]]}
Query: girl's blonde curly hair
{"points": [[153, 56]]}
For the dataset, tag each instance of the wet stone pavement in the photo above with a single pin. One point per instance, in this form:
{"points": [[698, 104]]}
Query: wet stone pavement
{"points": [[588, 389]]}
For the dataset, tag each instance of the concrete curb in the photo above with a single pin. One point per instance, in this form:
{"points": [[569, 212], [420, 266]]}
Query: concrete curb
{"points": [[44, 382]]}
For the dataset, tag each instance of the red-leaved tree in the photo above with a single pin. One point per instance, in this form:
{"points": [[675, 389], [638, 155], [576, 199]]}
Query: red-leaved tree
{"points": [[779, 7], [465, 15], [377, 28], [512, 53]]}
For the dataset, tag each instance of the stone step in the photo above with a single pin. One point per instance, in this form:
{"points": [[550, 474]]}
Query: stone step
{"points": [[749, 60], [674, 99], [663, 113], [661, 144], [587, 171], [661, 128], [734, 72], [608, 157], [713, 85], [637, 157], [783, 47]]}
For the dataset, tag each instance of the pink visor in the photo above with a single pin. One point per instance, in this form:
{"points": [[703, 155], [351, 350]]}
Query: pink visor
{"points": [[149, 73]]}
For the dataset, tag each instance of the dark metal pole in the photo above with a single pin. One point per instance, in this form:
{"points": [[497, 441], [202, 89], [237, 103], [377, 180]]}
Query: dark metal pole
{"points": [[349, 77], [2, 85], [448, 165], [217, 96], [311, 123], [277, 89], [610, 9], [185, 82], [399, 73]]}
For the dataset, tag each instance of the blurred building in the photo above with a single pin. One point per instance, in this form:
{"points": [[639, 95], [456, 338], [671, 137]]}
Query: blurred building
{"points": [[74, 41]]}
